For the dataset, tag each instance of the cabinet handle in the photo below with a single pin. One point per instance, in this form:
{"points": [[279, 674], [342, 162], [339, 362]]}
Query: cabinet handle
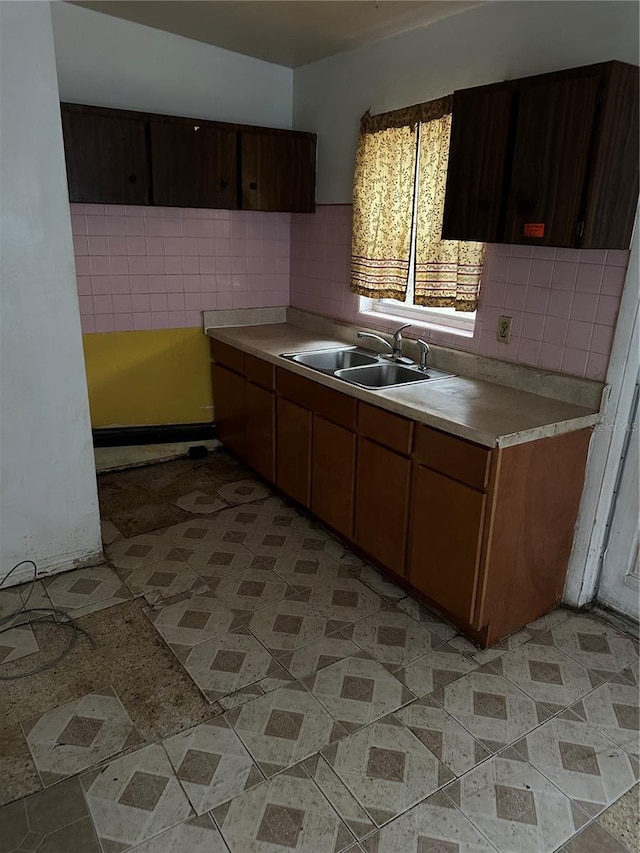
{"points": [[133, 179], [253, 185]]}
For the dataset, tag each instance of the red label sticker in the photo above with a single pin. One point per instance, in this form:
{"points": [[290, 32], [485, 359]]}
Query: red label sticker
{"points": [[534, 229]]}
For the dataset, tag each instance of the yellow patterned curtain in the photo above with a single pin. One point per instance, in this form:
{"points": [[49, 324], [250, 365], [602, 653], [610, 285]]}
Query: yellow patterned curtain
{"points": [[382, 207], [447, 272]]}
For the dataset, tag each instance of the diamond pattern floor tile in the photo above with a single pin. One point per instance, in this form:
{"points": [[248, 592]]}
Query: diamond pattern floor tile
{"points": [[345, 600], [613, 710], [157, 581], [358, 690], [200, 503], [393, 637], [19, 641], [339, 796], [433, 826], [304, 570], [250, 590], [284, 727], [289, 625], [592, 643], [288, 812], [84, 591], [443, 735], [109, 532], [315, 656], [594, 839], [387, 768], [241, 697], [198, 835], [515, 807], [256, 517], [194, 533], [243, 491], [546, 674], [135, 798], [192, 621], [584, 764], [482, 656], [212, 764], [434, 671], [79, 735], [492, 709], [228, 663], [427, 618], [375, 580], [219, 560], [142, 550], [274, 541]]}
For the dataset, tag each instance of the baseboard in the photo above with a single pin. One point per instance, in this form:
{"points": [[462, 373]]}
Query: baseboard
{"points": [[46, 568], [163, 434]]}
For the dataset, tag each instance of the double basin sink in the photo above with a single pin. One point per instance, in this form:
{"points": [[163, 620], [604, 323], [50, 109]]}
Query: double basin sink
{"points": [[363, 368]]}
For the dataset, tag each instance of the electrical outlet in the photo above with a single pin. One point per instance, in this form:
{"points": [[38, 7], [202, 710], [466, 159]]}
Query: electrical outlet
{"points": [[504, 329]]}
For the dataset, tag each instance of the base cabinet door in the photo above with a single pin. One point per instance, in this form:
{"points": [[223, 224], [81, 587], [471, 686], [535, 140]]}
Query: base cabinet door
{"points": [[260, 430], [229, 400], [382, 504], [333, 474], [446, 531], [293, 474]]}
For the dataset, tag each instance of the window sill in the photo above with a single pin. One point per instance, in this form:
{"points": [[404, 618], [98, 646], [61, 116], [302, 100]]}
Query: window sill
{"points": [[415, 324]]}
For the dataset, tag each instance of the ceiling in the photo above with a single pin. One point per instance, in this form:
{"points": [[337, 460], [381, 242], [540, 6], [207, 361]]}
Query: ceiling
{"points": [[287, 32]]}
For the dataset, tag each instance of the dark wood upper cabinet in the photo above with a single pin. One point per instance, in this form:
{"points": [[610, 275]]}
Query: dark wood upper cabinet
{"points": [[550, 160], [278, 170], [106, 158], [193, 165], [125, 157], [477, 154]]}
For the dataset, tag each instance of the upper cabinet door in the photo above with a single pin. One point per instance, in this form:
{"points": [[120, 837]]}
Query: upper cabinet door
{"points": [[554, 138], [278, 171], [107, 158], [193, 165], [476, 189]]}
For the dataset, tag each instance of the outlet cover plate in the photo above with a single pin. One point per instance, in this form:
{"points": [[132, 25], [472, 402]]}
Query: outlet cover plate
{"points": [[503, 332]]}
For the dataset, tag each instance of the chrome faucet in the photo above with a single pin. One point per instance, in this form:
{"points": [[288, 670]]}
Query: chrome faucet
{"points": [[396, 350], [424, 353], [379, 339]]}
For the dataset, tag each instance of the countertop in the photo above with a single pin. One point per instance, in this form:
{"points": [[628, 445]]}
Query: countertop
{"points": [[484, 412]]}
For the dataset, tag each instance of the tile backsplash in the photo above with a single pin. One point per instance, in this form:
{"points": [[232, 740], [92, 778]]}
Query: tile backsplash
{"points": [[160, 267], [564, 302], [157, 268]]}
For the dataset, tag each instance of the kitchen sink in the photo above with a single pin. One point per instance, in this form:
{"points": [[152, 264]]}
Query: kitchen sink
{"points": [[388, 375], [329, 361]]}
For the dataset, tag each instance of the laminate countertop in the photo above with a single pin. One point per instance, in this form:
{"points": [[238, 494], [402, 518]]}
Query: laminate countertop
{"points": [[484, 412]]}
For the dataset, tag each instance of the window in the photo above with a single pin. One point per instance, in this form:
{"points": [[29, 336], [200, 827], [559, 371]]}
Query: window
{"points": [[400, 263]]}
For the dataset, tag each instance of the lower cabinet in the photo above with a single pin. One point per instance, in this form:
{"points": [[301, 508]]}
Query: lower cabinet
{"points": [[260, 413], [445, 542], [293, 450], [333, 474], [382, 490], [230, 408]]}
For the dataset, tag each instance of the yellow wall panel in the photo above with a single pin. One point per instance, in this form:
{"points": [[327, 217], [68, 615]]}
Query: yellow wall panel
{"points": [[160, 376]]}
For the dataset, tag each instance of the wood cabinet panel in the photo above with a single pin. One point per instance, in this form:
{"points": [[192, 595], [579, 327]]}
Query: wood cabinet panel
{"points": [[332, 405], [386, 428], [228, 356], [106, 158], [552, 145], [333, 475], [193, 165], [382, 504], [293, 455], [475, 198], [260, 430], [260, 372], [445, 542], [229, 401], [278, 171], [453, 456]]}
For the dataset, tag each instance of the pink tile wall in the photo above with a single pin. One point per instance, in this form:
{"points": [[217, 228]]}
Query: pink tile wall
{"points": [[159, 268], [564, 302]]}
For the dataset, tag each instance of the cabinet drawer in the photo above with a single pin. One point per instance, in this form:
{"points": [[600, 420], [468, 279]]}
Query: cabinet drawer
{"points": [[387, 429], [228, 356], [260, 372], [332, 405], [455, 457]]}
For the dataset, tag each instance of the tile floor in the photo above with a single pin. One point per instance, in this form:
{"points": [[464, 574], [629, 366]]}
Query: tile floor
{"points": [[246, 683]]}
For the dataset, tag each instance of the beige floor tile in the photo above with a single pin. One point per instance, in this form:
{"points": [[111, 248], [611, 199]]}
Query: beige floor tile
{"points": [[289, 625], [288, 812], [243, 491], [393, 637], [142, 551], [339, 796], [345, 600], [200, 503], [85, 591], [219, 560], [428, 618], [315, 656], [193, 620], [434, 670], [79, 735], [158, 581], [198, 835], [613, 709], [594, 839], [380, 583], [250, 590], [305, 570]]}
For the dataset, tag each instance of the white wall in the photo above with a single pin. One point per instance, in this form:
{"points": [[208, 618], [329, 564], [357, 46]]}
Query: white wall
{"points": [[110, 62], [496, 41], [48, 499]]}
